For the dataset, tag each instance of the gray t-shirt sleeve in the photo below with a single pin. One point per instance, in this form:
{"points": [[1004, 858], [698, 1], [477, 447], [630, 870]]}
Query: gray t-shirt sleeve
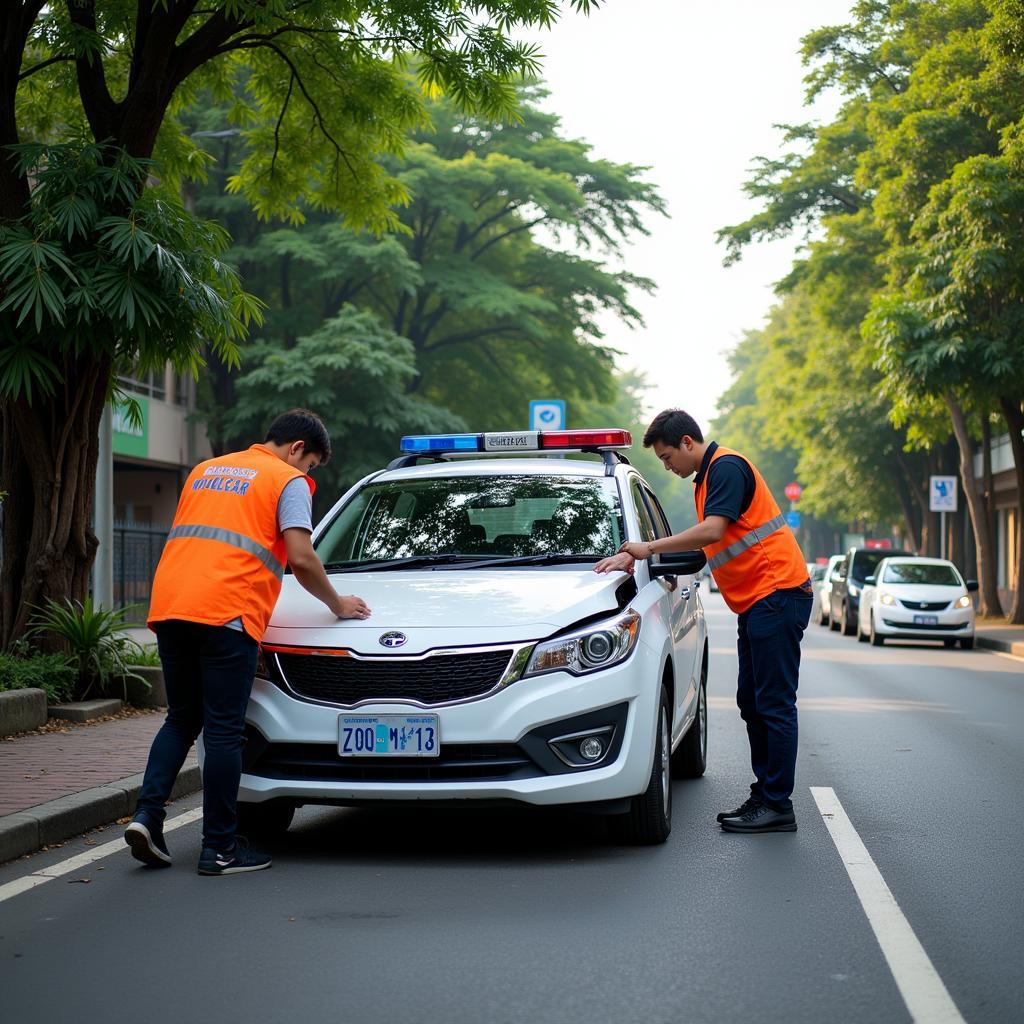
{"points": [[295, 506]]}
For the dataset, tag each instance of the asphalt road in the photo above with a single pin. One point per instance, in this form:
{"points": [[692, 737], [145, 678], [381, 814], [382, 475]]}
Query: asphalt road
{"points": [[534, 917]]}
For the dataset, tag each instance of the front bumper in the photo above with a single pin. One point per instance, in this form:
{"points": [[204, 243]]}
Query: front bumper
{"points": [[292, 752], [894, 620]]}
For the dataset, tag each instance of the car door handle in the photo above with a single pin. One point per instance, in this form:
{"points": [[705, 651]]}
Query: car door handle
{"points": [[684, 593], [696, 584]]}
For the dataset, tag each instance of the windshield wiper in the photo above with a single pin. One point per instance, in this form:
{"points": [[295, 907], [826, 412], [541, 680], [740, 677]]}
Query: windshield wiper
{"points": [[409, 562], [549, 559]]}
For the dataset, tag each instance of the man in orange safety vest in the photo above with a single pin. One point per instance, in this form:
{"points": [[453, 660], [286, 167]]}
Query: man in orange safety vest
{"points": [[241, 520], [762, 575]]}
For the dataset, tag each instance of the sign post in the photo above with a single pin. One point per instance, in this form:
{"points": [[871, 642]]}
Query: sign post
{"points": [[942, 496]]}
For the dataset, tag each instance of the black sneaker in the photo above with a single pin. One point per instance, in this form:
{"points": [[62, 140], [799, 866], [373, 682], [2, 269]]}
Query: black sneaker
{"points": [[749, 804], [234, 862], [145, 837]]}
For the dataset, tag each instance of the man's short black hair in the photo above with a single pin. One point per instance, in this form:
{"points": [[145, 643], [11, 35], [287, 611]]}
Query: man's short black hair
{"points": [[305, 426], [669, 426]]}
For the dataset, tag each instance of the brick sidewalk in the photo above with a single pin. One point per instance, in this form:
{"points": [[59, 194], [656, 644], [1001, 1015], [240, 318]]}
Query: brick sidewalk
{"points": [[36, 769]]}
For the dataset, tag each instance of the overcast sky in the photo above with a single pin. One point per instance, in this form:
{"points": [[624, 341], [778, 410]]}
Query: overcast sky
{"points": [[692, 90]]}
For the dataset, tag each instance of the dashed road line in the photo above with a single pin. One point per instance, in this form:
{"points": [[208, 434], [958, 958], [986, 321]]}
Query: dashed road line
{"points": [[83, 860], [924, 992]]}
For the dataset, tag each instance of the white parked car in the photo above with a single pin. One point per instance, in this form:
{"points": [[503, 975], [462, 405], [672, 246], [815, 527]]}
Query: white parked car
{"points": [[917, 599], [497, 666], [821, 611]]}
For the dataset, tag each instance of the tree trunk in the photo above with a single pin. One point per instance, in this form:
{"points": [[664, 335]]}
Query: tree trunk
{"points": [[50, 452], [1015, 421], [988, 591]]}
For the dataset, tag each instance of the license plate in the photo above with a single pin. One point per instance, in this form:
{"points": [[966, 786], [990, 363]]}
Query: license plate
{"points": [[389, 736], [926, 620]]}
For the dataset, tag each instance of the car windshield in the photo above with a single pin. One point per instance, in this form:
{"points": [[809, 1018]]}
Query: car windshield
{"points": [[476, 516], [917, 572]]}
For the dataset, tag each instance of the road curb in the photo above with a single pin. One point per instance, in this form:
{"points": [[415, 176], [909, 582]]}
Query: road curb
{"points": [[1014, 647], [45, 824]]}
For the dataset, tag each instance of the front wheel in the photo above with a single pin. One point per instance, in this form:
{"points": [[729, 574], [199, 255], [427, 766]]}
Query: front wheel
{"points": [[823, 616], [849, 625], [862, 637], [876, 638], [649, 818]]}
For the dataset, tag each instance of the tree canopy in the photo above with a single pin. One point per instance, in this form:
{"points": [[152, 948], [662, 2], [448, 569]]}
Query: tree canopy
{"points": [[898, 326]]}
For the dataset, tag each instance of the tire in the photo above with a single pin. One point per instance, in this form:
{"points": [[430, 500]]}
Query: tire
{"points": [[823, 618], [862, 637], [876, 638], [270, 818], [649, 818], [967, 643], [849, 628], [690, 759], [833, 622]]}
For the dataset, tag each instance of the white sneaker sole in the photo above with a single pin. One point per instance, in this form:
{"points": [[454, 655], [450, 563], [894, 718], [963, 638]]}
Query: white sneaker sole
{"points": [[236, 870], [140, 842]]}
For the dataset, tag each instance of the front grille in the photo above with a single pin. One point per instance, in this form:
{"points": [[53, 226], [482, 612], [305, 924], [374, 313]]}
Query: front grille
{"points": [[925, 606], [916, 627], [456, 761], [433, 680]]}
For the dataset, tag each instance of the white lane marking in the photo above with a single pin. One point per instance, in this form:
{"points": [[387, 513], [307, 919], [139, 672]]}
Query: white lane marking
{"points": [[83, 860], [923, 991]]}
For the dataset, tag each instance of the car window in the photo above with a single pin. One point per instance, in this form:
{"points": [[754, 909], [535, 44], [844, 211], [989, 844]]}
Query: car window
{"points": [[866, 561], [661, 526], [487, 515], [817, 573], [917, 572], [643, 516]]}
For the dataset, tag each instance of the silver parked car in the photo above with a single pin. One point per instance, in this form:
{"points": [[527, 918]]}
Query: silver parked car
{"points": [[823, 592]]}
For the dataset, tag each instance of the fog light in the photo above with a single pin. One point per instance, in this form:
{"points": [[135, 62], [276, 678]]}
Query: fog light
{"points": [[592, 748]]}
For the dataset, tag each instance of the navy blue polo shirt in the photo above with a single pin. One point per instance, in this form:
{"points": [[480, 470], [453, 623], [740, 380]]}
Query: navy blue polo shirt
{"points": [[730, 487]]}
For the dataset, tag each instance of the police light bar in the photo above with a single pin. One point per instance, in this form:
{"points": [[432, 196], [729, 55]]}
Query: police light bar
{"points": [[515, 441]]}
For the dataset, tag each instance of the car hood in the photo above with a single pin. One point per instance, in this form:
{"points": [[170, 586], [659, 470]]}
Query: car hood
{"points": [[445, 607]]}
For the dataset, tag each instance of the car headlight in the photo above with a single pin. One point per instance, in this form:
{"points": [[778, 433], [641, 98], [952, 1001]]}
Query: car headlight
{"points": [[589, 650], [963, 602], [887, 599], [854, 591]]}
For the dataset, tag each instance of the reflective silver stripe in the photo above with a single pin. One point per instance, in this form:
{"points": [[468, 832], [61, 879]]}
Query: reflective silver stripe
{"points": [[238, 540], [746, 542]]}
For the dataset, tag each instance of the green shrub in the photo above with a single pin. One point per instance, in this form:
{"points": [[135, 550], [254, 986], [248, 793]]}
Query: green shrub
{"points": [[100, 649], [149, 657], [53, 673]]}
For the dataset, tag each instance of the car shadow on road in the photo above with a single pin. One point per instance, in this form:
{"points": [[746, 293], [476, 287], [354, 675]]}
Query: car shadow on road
{"points": [[519, 835]]}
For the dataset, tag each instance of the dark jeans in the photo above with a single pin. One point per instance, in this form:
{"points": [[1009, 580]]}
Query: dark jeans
{"points": [[768, 643], [208, 671]]}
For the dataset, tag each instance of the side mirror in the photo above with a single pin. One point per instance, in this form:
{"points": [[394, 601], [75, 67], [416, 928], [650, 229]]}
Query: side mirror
{"points": [[972, 586], [869, 580], [679, 563]]}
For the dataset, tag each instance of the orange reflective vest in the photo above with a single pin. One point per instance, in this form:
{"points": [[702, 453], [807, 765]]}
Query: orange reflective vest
{"points": [[225, 556], [758, 554]]}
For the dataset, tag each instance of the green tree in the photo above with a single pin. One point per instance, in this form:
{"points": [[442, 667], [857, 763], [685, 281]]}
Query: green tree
{"points": [[320, 90], [490, 278]]}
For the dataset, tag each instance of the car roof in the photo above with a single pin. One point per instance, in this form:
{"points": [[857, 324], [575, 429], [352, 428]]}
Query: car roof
{"points": [[507, 466]]}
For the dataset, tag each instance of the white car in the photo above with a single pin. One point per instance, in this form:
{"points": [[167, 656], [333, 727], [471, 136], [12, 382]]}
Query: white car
{"points": [[917, 599], [497, 665], [823, 592]]}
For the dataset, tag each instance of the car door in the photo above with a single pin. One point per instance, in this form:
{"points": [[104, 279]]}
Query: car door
{"points": [[682, 607], [839, 589]]}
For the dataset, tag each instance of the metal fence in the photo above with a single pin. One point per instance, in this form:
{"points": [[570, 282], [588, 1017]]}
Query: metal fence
{"points": [[137, 549]]}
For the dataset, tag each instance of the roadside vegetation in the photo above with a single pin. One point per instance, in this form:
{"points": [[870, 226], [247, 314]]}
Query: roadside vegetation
{"points": [[894, 351]]}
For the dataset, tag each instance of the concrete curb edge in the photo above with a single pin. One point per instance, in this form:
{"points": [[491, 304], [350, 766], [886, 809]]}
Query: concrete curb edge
{"points": [[68, 816], [1014, 647]]}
